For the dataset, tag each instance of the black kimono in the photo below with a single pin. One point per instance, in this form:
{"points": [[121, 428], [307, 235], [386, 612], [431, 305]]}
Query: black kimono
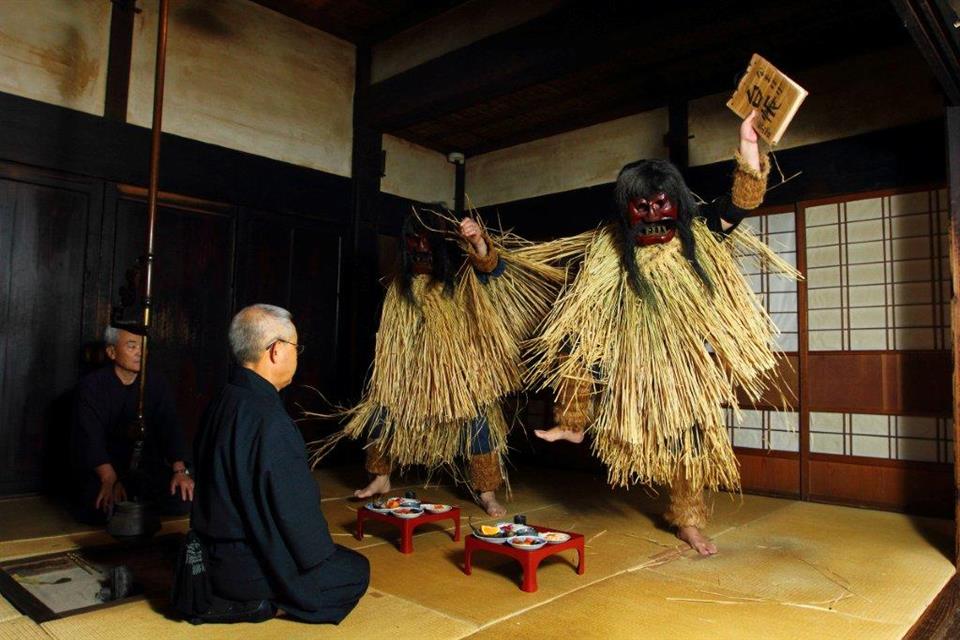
{"points": [[104, 410], [257, 509]]}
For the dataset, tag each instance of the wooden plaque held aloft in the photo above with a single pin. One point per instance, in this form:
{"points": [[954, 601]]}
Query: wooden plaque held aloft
{"points": [[775, 97]]}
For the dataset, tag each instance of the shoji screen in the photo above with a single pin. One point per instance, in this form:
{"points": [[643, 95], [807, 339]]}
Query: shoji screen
{"points": [[866, 337], [879, 391]]}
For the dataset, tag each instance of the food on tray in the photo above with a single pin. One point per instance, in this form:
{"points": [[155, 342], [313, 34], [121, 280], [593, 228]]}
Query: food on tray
{"points": [[526, 542], [488, 530], [555, 537], [393, 503]]}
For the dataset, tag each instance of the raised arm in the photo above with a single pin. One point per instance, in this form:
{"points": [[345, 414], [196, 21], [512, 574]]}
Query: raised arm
{"points": [[749, 182], [483, 255]]}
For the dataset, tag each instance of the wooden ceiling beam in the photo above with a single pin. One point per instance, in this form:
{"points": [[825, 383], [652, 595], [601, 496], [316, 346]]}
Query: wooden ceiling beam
{"points": [[596, 96], [933, 25], [420, 12], [581, 37], [362, 22]]}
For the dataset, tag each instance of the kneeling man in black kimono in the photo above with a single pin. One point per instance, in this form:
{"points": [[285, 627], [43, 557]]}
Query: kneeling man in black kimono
{"points": [[256, 505]]}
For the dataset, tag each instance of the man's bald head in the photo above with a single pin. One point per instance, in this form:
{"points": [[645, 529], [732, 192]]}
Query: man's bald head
{"points": [[255, 328]]}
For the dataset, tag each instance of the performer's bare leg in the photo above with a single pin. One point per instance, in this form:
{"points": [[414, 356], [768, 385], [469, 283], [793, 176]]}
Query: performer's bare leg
{"points": [[486, 478], [378, 486], [488, 500], [379, 466], [559, 433], [571, 411], [695, 538], [688, 513]]}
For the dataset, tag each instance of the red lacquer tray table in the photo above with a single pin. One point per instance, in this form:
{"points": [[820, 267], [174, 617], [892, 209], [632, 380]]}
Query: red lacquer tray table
{"points": [[529, 560], [407, 525]]}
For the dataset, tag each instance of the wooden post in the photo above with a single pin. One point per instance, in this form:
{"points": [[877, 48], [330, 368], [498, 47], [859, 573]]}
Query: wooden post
{"points": [[678, 135], [460, 187], [361, 283], [118, 62], [803, 352], [156, 131], [953, 181]]}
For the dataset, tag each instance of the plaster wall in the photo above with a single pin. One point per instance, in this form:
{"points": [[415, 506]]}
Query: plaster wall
{"points": [[416, 172], [55, 51], [247, 78], [571, 160]]}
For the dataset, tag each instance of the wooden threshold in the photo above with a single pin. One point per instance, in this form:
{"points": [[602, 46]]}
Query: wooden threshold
{"points": [[941, 620]]}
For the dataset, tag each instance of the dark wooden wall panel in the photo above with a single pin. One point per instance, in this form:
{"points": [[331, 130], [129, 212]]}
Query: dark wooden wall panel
{"points": [[48, 257], [204, 267], [264, 262], [193, 299], [316, 260], [297, 263], [44, 135]]}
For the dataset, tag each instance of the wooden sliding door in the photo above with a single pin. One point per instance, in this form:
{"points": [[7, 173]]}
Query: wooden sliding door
{"points": [[49, 263]]}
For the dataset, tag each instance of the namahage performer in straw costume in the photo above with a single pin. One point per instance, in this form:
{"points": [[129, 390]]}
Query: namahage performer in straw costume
{"points": [[625, 347], [448, 351]]}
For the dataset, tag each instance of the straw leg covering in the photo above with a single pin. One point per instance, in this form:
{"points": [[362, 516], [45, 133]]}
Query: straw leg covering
{"points": [[485, 474], [377, 462], [572, 409], [688, 508]]}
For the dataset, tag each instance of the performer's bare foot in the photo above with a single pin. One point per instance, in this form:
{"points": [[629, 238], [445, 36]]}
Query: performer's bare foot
{"points": [[488, 500], [699, 542], [379, 486], [559, 433]]}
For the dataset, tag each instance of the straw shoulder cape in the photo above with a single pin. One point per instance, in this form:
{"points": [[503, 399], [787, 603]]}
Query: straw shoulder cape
{"points": [[657, 388], [442, 360]]}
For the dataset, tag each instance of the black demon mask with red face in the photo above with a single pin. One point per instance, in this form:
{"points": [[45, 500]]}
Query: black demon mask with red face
{"points": [[654, 206], [423, 251], [420, 254]]}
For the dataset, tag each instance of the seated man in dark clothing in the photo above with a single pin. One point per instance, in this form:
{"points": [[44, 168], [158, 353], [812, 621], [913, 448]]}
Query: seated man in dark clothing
{"points": [[101, 444], [257, 506]]}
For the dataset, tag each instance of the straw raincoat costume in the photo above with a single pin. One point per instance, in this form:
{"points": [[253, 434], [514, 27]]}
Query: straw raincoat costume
{"points": [[446, 356], [644, 350]]}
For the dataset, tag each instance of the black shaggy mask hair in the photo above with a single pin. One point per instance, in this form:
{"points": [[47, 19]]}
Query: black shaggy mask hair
{"points": [[443, 260], [642, 179]]}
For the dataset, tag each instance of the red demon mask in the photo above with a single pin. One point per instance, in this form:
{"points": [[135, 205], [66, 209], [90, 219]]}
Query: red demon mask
{"points": [[652, 220]]}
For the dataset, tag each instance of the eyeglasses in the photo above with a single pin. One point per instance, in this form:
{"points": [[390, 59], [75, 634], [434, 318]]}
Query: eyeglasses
{"points": [[299, 347]]}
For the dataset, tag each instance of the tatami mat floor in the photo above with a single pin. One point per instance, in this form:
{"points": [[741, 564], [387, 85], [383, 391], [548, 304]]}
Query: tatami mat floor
{"points": [[785, 569]]}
